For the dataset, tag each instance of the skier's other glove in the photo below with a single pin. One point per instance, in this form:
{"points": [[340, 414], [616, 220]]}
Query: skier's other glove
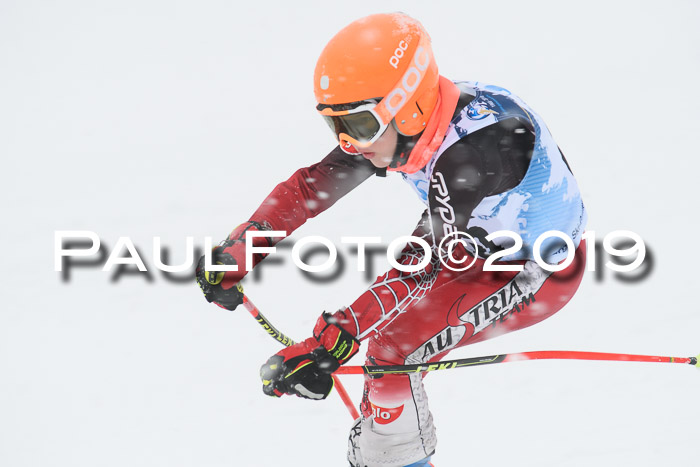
{"points": [[304, 369], [221, 287], [217, 288]]}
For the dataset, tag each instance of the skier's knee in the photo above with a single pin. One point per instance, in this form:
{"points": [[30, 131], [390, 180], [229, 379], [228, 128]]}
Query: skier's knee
{"points": [[367, 447]]}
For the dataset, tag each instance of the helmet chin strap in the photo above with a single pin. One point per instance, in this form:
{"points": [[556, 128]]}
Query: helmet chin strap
{"points": [[404, 146]]}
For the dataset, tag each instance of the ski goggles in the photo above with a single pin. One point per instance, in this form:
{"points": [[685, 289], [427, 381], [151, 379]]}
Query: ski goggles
{"points": [[360, 126]]}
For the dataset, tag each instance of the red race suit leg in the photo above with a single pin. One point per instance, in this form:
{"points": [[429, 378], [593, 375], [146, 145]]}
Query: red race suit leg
{"points": [[441, 311]]}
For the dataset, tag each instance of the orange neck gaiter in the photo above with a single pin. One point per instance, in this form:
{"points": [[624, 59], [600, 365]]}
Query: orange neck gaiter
{"points": [[434, 132]]}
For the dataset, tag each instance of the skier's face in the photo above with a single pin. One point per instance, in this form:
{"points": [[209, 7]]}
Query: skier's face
{"points": [[381, 153]]}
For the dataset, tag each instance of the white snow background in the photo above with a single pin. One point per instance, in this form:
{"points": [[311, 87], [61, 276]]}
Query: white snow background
{"points": [[175, 119]]}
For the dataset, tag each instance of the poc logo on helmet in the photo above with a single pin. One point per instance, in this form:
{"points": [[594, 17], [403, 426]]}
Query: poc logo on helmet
{"points": [[398, 54], [410, 81]]}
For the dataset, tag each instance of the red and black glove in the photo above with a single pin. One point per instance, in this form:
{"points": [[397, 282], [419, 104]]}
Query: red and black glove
{"points": [[305, 369], [221, 287]]}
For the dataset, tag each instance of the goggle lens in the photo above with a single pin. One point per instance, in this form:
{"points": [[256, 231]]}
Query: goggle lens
{"points": [[362, 126]]}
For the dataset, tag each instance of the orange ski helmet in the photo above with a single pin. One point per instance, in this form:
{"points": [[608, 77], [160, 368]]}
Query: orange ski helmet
{"points": [[377, 69]]}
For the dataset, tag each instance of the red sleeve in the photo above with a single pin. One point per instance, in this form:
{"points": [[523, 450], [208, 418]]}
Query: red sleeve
{"points": [[393, 292], [312, 190]]}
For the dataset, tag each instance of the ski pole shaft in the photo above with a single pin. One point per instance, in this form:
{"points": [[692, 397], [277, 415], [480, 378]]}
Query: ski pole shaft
{"points": [[287, 341], [266, 325], [512, 357]]}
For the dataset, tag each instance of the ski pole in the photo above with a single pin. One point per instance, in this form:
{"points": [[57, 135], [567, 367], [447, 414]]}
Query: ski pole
{"points": [[512, 357], [287, 341]]}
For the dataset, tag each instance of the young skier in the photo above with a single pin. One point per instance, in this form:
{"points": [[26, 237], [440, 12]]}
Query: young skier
{"points": [[482, 161]]}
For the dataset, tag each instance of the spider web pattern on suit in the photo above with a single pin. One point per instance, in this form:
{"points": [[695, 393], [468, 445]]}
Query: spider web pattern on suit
{"points": [[395, 292]]}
